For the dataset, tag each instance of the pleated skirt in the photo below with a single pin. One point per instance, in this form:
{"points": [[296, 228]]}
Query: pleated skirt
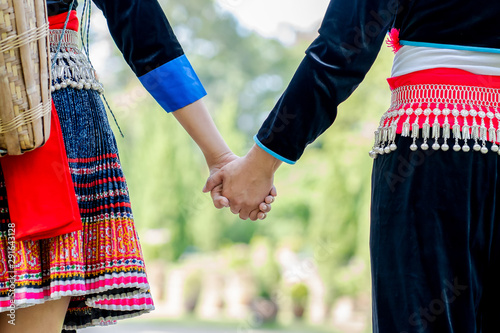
{"points": [[101, 266]]}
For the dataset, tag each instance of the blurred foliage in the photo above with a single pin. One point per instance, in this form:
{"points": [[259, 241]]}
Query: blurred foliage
{"points": [[265, 268], [192, 290], [299, 294], [322, 210]]}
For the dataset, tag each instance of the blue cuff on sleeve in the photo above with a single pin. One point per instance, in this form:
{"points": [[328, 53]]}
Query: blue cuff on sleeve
{"points": [[272, 153], [450, 46], [174, 84]]}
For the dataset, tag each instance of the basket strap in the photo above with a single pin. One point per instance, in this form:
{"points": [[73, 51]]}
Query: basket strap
{"points": [[26, 37], [28, 116]]}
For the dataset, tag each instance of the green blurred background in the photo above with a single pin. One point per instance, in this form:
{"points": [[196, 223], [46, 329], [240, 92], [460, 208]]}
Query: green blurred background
{"points": [[307, 264]]}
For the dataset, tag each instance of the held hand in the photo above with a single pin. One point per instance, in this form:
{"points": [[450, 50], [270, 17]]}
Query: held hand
{"points": [[197, 122], [220, 201], [245, 182], [260, 213], [214, 166], [264, 207]]}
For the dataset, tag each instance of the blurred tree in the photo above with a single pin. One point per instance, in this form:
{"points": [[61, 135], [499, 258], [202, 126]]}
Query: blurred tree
{"points": [[243, 74], [323, 202], [232, 61]]}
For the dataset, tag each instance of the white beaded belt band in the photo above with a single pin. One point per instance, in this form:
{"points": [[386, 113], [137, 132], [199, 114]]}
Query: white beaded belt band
{"points": [[72, 68], [479, 105]]}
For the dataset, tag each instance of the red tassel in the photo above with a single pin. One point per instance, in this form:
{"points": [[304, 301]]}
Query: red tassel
{"points": [[393, 40]]}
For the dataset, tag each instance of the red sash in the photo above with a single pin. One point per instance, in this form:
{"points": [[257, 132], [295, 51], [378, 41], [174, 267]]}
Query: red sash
{"points": [[40, 191]]}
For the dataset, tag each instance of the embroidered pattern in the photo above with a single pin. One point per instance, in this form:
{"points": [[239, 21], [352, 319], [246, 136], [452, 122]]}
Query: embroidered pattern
{"points": [[101, 267], [447, 114]]}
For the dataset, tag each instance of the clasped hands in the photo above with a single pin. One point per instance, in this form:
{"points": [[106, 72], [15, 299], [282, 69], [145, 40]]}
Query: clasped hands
{"points": [[244, 184]]}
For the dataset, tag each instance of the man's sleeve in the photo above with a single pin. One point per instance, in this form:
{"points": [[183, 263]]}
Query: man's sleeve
{"points": [[143, 34], [350, 38]]}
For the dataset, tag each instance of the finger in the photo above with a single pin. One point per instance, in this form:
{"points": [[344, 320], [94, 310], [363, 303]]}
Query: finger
{"points": [[218, 199], [265, 208], [235, 209], [261, 215], [269, 199], [274, 192], [221, 202], [254, 215], [244, 214], [212, 181]]}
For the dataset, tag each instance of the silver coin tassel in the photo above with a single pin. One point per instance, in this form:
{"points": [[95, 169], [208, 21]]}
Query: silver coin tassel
{"points": [[71, 68], [476, 132]]}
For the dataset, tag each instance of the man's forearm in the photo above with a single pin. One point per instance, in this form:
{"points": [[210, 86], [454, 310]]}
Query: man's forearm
{"points": [[262, 160]]}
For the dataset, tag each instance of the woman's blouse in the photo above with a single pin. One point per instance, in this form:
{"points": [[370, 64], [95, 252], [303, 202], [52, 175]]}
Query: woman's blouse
{"points": [[143, 34]]}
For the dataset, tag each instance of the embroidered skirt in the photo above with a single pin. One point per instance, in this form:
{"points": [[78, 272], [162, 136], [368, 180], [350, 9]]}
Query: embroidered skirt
{"points": [[102, 266]]}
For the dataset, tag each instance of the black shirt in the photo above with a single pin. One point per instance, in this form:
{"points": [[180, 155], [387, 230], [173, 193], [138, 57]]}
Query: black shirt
{"points": [[350, 38], [55, 7], [139, 28]]}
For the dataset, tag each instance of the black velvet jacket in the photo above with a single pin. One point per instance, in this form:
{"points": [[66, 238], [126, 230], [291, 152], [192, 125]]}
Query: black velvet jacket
{"points": [[55, 7], [144, 36], [350, 38], [139, 28]]}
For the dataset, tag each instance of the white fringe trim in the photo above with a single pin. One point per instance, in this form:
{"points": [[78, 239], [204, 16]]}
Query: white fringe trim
{"points": [[460, 102]]}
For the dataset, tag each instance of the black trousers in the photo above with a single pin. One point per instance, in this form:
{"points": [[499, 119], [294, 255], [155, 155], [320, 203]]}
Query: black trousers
{"points": [[435, 241]]}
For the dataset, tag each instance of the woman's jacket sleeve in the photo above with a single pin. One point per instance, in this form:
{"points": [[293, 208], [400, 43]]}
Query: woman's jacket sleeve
{"points": [[350, 38], [143, 34]]}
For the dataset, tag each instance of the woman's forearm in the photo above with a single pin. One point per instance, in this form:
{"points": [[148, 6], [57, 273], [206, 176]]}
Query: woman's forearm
{"points": [[200, 126]]}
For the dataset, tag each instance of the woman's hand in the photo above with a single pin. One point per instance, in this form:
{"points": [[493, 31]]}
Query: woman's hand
{"points": [[214, 167], [245, 182], [221, 201], [197, 122]]}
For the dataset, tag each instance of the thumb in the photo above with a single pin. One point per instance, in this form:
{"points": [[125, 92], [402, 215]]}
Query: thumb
{"points": [[213, 181]]}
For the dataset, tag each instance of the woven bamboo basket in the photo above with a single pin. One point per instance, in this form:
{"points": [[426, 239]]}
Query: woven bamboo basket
{"points": [[25, 103]]}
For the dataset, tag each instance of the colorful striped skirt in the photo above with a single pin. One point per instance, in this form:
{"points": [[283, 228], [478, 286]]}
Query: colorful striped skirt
{"points": [[101, 266]]}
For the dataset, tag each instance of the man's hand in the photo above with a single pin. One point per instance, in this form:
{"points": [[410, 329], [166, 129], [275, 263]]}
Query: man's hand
{"points": [[247, 184], [197, 122], [220, 201]]}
